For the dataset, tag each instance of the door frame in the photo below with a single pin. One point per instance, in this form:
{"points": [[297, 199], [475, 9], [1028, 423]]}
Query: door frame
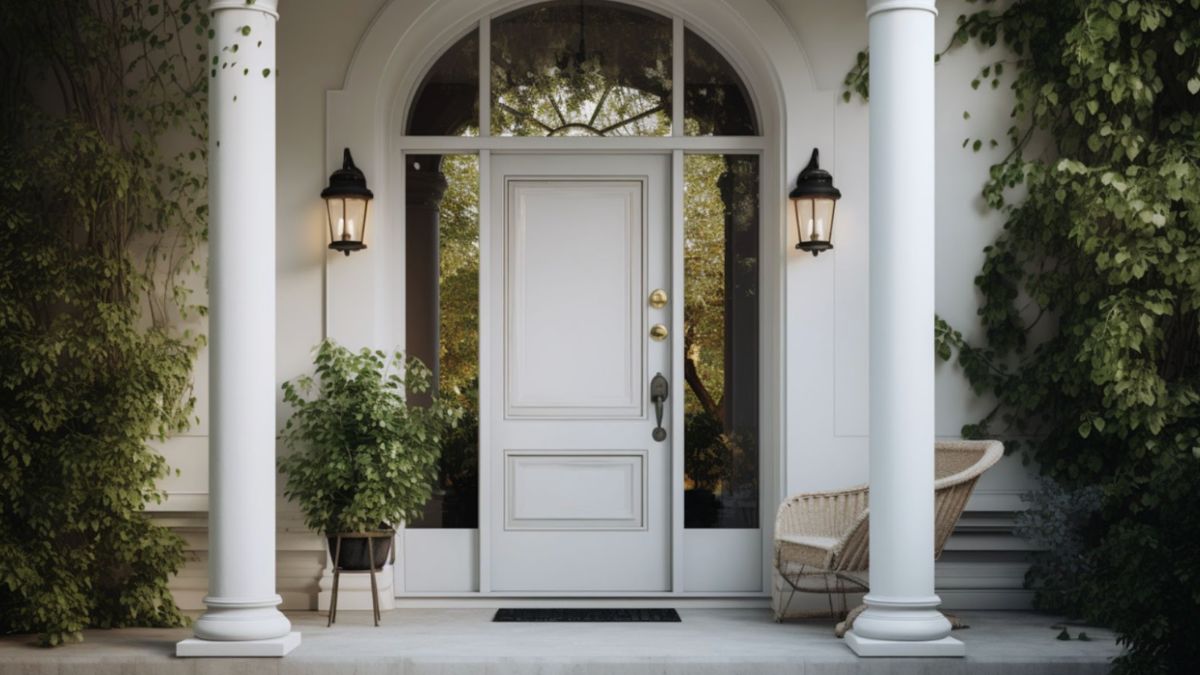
{"points": [[368, 113], [771, 325]]}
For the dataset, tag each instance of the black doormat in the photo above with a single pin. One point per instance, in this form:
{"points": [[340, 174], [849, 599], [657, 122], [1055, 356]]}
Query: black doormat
{"points": [[586, 615]]}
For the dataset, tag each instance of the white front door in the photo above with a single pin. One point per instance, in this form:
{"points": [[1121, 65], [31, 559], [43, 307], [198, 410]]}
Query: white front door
{"points": [[580, 480]]}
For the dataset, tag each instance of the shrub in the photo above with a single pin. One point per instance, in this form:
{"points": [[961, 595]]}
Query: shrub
{"points": [[1060, 523], [96, 227]]}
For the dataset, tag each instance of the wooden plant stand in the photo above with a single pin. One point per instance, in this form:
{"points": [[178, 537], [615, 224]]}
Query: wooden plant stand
{"points": [[337, 568]]}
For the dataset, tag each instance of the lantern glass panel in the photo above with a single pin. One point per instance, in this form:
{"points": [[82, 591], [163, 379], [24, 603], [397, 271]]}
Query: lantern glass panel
{"points": [[814, 218], [347, 218]]}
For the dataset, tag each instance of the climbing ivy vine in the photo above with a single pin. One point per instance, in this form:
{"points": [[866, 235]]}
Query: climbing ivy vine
{"points": [[99, 230], [1099, 258]]}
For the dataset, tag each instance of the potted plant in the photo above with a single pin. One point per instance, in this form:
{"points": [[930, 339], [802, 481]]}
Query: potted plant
{"points": [[363, 458]]}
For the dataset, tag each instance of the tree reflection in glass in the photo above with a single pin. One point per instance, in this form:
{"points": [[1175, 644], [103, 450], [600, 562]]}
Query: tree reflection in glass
{"points": [[720, 341], [586, 68]]}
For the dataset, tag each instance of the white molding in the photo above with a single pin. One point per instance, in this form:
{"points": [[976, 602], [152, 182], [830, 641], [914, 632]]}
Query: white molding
{"points": [[485, 77], [487, 405], [577, 144], [677, 61], [179, 501], [877, 6], [677, 372]]}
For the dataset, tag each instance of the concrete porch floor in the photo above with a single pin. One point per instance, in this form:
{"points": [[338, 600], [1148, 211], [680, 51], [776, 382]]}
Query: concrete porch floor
{"points": [[453, 641]]}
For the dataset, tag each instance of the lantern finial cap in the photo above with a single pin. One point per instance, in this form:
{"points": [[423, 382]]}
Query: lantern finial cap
{"points": [[814, 181], [347, 181]]}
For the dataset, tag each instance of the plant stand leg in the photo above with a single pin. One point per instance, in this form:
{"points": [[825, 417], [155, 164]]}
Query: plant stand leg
{"points": [[374, 589], [337, 574]]}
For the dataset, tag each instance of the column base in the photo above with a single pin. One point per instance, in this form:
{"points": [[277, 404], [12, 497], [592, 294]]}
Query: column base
{"points": [[274, 647], [235, 620], [870, 647]]}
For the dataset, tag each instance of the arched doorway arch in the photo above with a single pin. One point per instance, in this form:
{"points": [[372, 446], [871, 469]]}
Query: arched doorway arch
{"points": [[370, 115]]}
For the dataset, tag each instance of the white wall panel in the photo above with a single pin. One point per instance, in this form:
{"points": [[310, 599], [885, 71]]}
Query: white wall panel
{"points": [[440, 561]]}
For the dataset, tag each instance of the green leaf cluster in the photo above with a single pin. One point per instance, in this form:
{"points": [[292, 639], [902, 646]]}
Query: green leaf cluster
{"points": [[98, 227], [1091, 299], [363, 455]]}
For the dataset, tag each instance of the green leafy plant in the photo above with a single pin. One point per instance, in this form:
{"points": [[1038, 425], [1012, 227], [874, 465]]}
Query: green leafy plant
{"points": [[98, 230], [1100, 259], [363, 456]]}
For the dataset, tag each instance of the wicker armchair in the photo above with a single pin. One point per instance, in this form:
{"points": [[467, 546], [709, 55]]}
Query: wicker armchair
{"points": [[821, 538]]}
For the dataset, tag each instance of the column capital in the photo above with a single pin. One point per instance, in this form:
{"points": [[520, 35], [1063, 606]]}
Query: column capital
{"points": [[269, 7], [877, 6]]}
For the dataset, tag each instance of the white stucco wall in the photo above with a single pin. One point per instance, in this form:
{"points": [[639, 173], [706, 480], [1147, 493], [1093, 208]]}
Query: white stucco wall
{"points": [[827, 296]]}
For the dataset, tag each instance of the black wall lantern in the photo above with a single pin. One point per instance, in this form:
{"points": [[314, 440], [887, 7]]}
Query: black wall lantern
{"points": [[814, 200], [346, 200]]}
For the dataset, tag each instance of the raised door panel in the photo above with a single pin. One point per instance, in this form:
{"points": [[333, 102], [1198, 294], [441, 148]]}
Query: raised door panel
{"points": [[588, 490], [574, 283]]}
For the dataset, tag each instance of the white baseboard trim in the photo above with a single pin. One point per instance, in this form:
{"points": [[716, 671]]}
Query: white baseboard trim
{"points": [[493, 601]]}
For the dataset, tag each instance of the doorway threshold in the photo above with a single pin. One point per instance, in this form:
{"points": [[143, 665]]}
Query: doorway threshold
{"points": [[663, 600]]}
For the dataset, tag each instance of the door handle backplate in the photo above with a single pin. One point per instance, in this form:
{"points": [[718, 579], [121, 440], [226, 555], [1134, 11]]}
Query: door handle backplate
{"points": [[659, 390]]}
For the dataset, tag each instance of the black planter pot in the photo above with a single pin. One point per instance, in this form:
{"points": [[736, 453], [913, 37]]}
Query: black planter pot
{"points": [[354, 555]]}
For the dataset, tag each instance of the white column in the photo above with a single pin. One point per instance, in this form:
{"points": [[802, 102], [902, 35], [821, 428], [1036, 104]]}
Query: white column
{"points": [[901, 618], [242, 618]]}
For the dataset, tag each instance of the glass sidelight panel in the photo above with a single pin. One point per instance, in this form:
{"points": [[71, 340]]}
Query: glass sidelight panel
{"points": [[455, 501], [581, 68], [721, 341]]}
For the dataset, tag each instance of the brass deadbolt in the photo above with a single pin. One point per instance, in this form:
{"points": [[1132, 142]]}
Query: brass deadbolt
{"points": [[658, 332]]}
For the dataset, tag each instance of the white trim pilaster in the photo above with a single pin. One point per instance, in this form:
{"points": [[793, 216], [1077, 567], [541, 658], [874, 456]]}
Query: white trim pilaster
{"points": [[901, 618], [242, 618]]}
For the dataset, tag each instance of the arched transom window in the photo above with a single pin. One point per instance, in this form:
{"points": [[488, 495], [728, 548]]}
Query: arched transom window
{"points": [[583, 68]]}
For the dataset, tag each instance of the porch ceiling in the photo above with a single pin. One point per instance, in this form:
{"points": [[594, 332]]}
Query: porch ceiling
{"points": [[708, 641]]}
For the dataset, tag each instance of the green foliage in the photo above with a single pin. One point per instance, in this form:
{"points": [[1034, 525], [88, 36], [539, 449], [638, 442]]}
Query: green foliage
{"points": [[1091, 298], [363, 456], [98, 228]]}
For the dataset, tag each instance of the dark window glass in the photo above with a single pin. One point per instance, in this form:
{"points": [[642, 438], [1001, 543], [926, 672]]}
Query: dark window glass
{"points": [[720, 319], [455, 501], [581, 68], [447, 102], [715, 101]]}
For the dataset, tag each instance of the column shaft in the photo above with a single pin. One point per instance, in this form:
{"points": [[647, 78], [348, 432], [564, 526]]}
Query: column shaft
{"points": [[425, 187], [242, 603], [902, 603]]}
